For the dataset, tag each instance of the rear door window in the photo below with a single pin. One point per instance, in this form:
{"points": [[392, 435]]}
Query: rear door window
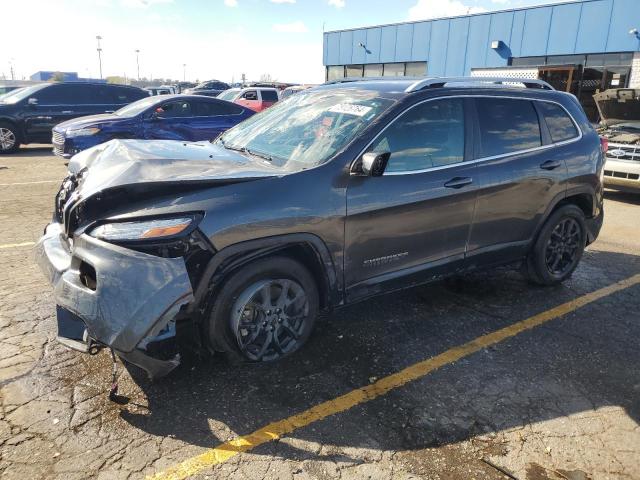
{"points": [[561, 127], [101, 95], [429, 135], [211, 109], [63, 95], [250, 95], [269, 95], [175, 109], [507, 126]]}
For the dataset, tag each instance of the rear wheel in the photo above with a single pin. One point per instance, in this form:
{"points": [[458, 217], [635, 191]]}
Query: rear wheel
{"points": [[264, 312], [559, 247], [9, 142]]}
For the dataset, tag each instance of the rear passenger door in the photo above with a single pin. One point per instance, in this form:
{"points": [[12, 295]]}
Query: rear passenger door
{"points": [[519, 172]]}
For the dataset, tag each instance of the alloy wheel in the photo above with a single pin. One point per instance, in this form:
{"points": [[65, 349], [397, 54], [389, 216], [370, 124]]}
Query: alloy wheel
{"points": [[269, 317], [7, 139], [563, 246]]}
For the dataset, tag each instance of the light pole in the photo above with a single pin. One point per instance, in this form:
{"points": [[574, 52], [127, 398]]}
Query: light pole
{"points": [[98, 38], [184, 72], [138, 62]]}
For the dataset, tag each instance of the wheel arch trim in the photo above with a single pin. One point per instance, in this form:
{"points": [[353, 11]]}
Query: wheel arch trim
{"points": [[239, 254]]}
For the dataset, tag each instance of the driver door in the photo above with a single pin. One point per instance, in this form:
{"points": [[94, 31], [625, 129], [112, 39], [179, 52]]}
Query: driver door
{"points": [[413, 221]]}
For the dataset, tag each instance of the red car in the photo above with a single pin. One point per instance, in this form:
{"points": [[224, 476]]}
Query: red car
{"points": [[255, 98]]}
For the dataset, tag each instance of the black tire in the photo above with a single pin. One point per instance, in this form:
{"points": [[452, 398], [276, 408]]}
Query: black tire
{"points": [[223, 329], [9, 138], [558, 248]]}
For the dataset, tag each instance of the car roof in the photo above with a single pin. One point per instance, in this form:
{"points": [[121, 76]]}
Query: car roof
{"points": [[398, 87]]}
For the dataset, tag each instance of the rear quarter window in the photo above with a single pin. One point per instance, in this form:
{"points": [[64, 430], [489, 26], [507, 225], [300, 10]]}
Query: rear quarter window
{"points": [[208, 109], [507, 126], [269, 95], [560, 125]]}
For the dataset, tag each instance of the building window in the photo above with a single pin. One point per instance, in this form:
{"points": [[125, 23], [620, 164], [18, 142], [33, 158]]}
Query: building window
{"points": [[335, 72], [373, 70], [528, 61], [393, 70], [354, 70], [416, 69]]}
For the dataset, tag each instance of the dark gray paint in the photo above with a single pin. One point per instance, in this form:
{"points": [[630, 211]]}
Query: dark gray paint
{"points": [[354, 219]]}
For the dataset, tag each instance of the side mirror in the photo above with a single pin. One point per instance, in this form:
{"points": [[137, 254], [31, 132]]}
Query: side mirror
{"points": [[32, 101], [374, 164]]}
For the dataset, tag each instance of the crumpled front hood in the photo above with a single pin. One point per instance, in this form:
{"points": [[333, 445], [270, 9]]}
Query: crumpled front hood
{"points": [[89, 120], [130, 162], [618, 105]]}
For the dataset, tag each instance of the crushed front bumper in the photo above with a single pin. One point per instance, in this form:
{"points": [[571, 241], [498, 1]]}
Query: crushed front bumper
{"points": [[128, 303]]}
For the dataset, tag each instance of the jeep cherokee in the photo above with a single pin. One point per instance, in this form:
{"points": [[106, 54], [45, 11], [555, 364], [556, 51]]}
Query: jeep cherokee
{"points": [[338, 193]]}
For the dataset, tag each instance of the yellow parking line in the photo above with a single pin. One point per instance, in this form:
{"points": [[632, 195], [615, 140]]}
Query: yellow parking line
{"points": [[14, 245], [276, 430]]}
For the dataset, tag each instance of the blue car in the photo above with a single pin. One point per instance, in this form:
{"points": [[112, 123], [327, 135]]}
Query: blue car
{"points": [[163, 117]]}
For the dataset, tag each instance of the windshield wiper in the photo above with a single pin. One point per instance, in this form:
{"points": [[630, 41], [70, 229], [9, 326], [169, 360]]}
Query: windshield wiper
{"points": [[232, 147], [254, 153], [266, 156]]}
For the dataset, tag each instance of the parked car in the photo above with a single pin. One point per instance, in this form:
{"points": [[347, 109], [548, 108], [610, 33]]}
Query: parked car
{"points": [[255, 98], [620, 124], [342, 192], [210, 88], [158, 91], [287, 92], [29, 114], [182, 86], [169, 117], [9, 88]]}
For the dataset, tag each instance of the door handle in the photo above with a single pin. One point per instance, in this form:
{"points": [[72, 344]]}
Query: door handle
{"points": [[67, 111], [550, 165], [459, 182]]}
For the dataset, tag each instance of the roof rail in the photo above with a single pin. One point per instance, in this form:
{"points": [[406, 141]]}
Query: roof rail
{"points": [[476, 81]]}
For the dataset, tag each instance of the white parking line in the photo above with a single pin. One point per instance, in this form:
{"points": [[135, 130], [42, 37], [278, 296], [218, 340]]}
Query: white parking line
{"points": [[28, 183], [14, 245]]}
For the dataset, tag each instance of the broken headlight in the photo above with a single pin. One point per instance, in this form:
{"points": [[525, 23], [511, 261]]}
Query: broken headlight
{"points": [[155, 229]]}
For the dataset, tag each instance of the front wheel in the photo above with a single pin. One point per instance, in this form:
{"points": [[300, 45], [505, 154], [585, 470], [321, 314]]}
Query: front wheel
{"points": [[264, 311], [9, 142], [559, 247]]}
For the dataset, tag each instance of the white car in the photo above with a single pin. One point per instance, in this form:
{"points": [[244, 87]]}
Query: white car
{"points": [[620, 126]]}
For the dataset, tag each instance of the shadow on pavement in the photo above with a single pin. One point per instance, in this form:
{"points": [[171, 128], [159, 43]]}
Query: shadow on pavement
{"points": [[578, 363], [625, 197]]}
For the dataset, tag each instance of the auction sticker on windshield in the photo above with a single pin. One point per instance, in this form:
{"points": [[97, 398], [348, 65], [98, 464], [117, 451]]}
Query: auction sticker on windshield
{"points": [[350, 109]]}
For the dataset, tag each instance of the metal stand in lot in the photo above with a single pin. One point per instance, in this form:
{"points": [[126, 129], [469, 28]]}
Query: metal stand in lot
{"points": [[113, 393]]}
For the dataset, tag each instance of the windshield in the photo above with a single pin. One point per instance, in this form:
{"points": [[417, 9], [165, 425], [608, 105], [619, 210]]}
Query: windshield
{"points": [[22, 93], [228, 95], [136, 108], [307, 129]]}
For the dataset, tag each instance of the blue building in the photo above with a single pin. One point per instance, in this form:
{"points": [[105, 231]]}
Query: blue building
{"points": [[46, 76], [580, 47]]}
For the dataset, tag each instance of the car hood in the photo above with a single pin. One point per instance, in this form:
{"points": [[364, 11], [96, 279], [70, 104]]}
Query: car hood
{"points": [[619, 105], [120, 163], [89, 120]]}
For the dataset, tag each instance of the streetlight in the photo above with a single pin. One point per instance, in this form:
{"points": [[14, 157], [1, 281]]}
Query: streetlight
{"points": [[184, 72], [138, 62], [98, 38]]}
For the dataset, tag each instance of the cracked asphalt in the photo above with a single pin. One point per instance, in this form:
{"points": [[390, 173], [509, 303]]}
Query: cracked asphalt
{"points": [[561, 401]]}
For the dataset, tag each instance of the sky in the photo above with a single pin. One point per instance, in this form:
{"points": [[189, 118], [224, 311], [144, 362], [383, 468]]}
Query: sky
{"points": [[215, 39]]}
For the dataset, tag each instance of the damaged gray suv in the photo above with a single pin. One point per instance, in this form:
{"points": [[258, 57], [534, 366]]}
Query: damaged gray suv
{"points": [[339, 193]]}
